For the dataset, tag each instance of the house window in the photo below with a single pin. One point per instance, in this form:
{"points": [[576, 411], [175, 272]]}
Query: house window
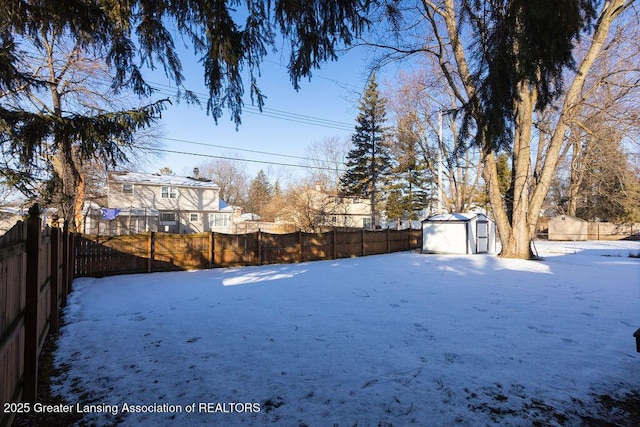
{"points": [[127, 188], [169, 192], [219, 220], [193, 217], [167, 217], [366, 223]]}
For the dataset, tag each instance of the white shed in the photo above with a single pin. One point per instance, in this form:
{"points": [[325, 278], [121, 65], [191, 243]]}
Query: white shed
{"points": [[459, 233]]}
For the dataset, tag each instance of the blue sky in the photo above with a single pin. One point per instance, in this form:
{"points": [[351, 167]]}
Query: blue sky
{"points": [[325, 106]]}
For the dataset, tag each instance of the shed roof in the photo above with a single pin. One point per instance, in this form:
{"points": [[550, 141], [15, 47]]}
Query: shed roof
{"points": [[567, 218], [455, 217]]}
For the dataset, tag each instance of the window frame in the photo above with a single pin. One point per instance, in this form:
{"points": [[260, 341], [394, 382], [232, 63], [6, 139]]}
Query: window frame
{"points": [[225, 219], [168, 192], [163, 218]]}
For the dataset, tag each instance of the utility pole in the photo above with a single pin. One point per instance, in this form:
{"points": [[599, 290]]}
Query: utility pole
{"points": [[440, 204]]}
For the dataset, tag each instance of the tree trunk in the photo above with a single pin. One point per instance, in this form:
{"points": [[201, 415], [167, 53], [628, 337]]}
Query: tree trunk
{"points": [[67, 195], [576, 180], [516, 232], [80, 196]]}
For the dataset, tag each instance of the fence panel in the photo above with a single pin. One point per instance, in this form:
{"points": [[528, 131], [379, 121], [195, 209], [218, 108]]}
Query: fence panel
{"points": [[32, 289], [12, 305], [103, 256], [166, 252], [376, 242], [235, 249], [348, 243], [316, 246], [180, 251], [280, 248]]}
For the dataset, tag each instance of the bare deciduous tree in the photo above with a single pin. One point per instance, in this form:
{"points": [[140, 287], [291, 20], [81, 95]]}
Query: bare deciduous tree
{"points": [[421, 95], [66, 81], [326, 161], [230, 176], [497, 120]]}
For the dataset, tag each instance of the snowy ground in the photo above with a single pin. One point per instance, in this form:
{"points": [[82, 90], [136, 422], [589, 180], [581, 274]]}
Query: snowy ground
{"points": [[396, 339]]}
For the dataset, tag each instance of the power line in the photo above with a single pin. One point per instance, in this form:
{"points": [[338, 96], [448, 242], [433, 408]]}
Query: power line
{"points": [[250, 151], [212, 156], [319, 76], [270, 112]]}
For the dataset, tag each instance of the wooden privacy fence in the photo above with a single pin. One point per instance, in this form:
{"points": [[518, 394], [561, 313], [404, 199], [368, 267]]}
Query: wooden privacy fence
{"points": [[151, 252], [36, 270]]}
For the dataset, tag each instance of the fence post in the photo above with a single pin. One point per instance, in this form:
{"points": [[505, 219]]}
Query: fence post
{"points": [[75, 238], [362, 238], [259, 247], [212, 252], [30, 378], [388, 242], [335, 251], [54, 281], [300, 246], [151, 247], [65, 262]]}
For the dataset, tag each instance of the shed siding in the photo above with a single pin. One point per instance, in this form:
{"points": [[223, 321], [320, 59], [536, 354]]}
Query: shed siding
{"points": [[459, 234], [445, 237], [568, 228]]}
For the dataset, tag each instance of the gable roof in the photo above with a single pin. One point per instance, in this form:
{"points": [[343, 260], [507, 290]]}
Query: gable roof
{"points": [[567, 217], [456, 217], [157, 179]]}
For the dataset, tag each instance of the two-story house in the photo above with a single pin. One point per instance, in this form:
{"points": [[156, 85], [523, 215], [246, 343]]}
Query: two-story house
{"points": [[316, 209], [138, 202]]}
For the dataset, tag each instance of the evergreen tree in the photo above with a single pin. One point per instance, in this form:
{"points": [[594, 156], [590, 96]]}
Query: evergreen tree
{"points": [[411, 172], [396, 206], [369, 161], [260, 194], [230, 38]]}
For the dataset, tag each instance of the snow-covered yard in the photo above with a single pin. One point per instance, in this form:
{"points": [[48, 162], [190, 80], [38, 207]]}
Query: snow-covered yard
{"points": [[395, 339]]}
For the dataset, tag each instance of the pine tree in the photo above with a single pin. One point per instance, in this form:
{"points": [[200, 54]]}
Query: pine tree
{"points": [[369, 161], [396, 206], [411, 173], [230, 39], [260, 194]]}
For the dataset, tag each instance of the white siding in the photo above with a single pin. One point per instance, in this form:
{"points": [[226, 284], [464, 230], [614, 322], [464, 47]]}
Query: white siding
{"points": [[445, 237]]}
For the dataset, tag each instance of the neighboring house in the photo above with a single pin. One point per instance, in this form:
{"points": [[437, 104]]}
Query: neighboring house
{"points": [[139, 202], [8, 218], [316, 209]]}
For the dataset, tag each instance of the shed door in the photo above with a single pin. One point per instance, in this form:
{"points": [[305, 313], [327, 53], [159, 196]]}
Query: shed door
{"points": [[482, 236]]}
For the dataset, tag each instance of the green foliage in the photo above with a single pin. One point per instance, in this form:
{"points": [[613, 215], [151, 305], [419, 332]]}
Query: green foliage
{"points": [[260, 194], [504, 173], [369, 161], [396, 206], [102, 135], [411, 174], [518, 42], [229, 37]]}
